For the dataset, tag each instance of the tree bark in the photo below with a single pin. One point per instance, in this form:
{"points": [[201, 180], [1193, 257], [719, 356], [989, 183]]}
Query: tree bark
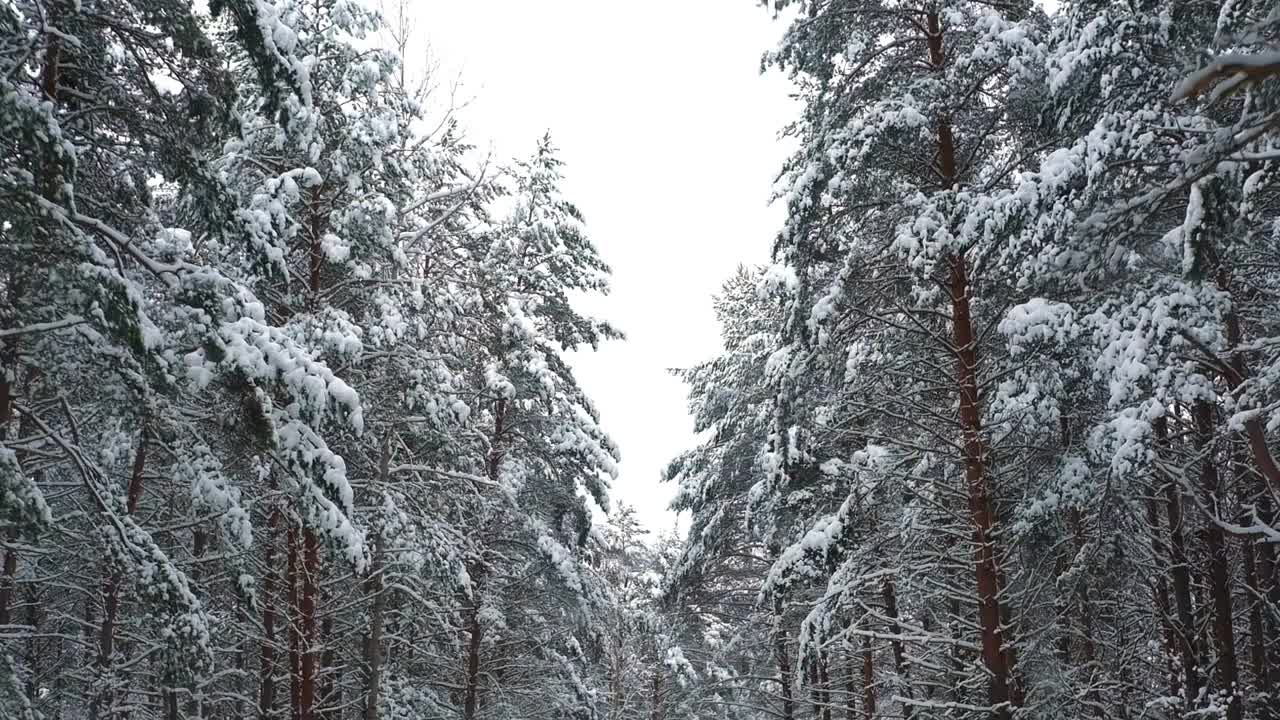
{"points": [[1266, 486], [111, 585], [266, 676], [310, 638], [374, 587], [1160, 596], [1184, 622], [783, 659], [890, 596], [868, 681], [997, 655], [295, 642], [1219, 574], [655, 711], [474, 636], [824, 685]]}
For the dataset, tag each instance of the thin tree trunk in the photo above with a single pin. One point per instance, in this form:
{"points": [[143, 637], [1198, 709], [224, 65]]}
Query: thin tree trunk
{"points": [[868, 681], [1160, 596], [375, 588], [815, 689], [655, 711], [1257, 640], [295, 641], [266, 676], [111, 586], [474, 636], [328, 691], [8, 367], [824, 684], [1219, 574], [783, 659], [890, 596], [850, 682]]}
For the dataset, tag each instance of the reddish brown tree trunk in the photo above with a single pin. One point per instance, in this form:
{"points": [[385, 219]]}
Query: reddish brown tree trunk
{"points": [[1254, 430], [997, 655], [474, 635], [310, 638], [1266, 486], [7, 580], [295, 640], [1219, 574], [266, 677]]}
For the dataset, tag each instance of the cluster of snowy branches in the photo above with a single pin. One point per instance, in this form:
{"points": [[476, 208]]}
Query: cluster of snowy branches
{"points": [[286, 428], [994, 435]]}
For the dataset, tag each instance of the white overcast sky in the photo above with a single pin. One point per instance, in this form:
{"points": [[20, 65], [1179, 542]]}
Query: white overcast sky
{"points": [[670, 138]]}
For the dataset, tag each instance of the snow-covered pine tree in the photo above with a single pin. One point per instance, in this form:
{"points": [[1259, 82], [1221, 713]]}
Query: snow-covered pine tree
{"points": [[913, 117]]}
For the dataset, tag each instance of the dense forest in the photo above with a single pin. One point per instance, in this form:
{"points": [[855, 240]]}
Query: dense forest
{"points": [[288, 429]]}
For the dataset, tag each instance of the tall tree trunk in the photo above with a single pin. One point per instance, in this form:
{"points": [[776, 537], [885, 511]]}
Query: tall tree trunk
{"points": [[105, 699], [266, 675], [868, 681], [295, 642], [375, 588], [1084, 609], [1266, 487], [815, 689], [8, 575], [328, 690], [1257, 638], [1184, 622], [474, 636], [997, 654], [1219, 574], [783, 658], [850, 681], [1269, 587], [655, 708], [1160, 597], [890, 596], [824, 684], [373, 651], [310, 636]]}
